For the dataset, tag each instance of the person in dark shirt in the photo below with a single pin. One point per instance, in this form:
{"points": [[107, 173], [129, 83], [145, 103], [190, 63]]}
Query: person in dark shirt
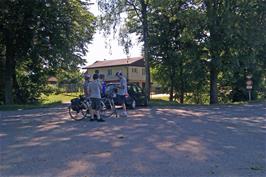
{"points": [[85, 84], [103, 84]]}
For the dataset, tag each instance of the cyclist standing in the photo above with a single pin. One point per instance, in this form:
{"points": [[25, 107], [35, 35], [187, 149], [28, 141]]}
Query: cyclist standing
{"points": [[94, 89], [103, 84], [85, 84], [122, 91]]}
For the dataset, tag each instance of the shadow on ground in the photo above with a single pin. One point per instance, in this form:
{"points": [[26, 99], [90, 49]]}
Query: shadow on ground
{"points": [[157, 141]]}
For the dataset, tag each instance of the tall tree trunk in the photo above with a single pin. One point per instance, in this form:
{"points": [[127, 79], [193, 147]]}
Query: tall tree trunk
{"points": [[182, 92], [16, 92], [172, 86], [9, 70], [171, 96], [2, 66], [213, 25], [213, 85], [146, 46]]}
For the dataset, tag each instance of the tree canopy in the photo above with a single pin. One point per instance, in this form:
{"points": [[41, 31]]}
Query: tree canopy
{"points": [[198, 43], [199, 51], [37, 38], [113, 13]]}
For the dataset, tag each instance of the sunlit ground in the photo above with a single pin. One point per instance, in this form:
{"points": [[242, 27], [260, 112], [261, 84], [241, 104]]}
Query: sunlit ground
{"points": [[189, 141]]}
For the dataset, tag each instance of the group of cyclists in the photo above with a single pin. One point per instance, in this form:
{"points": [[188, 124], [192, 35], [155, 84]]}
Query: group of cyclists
{"points": [[95, 89]]}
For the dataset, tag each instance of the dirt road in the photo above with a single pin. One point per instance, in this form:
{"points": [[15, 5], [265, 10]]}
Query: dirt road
{"points": [[185, 141]]}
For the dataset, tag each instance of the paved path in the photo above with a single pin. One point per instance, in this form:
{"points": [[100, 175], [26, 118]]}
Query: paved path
{"points": [[185, 141]]}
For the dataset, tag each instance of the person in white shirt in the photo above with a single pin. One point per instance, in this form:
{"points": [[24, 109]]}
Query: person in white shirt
{"points": [[94, 90], [122, 91]]}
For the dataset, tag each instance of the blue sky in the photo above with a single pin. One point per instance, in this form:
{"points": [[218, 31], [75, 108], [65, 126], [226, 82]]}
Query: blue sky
{"points": [[99, 51]]}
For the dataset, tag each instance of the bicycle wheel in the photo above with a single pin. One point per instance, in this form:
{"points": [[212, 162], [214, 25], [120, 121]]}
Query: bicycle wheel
{"points": [[78, 113], [107, 108]]}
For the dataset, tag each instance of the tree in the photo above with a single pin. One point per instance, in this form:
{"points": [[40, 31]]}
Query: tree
{"points": [[2, 62], [236, 30], [215, 29], [164, 44], [138, 11], [175, 35], [190, 40], [226, 36], [39, 36]]}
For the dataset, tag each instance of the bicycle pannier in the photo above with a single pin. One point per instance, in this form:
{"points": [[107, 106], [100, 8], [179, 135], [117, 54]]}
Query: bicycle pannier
{"points": [[75, 104]]}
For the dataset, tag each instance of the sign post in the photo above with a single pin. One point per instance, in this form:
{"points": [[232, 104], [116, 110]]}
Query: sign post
{"points": [[249, 84]]}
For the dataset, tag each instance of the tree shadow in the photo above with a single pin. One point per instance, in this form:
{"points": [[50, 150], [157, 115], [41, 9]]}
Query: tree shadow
{"points": [[157, 141]]}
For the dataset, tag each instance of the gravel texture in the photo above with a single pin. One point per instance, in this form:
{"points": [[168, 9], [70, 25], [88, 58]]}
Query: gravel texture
{"points": [[185, 141]]}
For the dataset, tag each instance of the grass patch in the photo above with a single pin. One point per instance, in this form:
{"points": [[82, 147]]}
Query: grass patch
{"points": [[63, 97], [45, 101], [26, 106], [162, 100], [55, 99]]}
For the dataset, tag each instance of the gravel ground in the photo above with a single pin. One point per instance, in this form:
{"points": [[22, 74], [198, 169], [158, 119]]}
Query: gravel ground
{"points": [[185, 141]]}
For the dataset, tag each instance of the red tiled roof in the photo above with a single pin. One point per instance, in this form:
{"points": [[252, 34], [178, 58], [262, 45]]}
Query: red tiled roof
{"points": [[52, 79], [134, 61]]}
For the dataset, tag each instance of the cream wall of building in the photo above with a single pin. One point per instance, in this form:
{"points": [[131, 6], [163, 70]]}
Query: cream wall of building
{"points": [[132, 73], [136, 74], [109, 72]]}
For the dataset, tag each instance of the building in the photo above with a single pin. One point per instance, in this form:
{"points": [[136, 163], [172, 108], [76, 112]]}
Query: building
{"points": [[52, 80], [132, 68]]}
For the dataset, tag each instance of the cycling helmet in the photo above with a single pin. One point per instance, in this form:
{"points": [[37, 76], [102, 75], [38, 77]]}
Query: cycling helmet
{"points": [[87, 76], [95, 76]]}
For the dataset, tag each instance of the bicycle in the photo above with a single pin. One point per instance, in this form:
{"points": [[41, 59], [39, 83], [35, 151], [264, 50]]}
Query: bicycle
{"points": [[107, 107], [79, 108]]}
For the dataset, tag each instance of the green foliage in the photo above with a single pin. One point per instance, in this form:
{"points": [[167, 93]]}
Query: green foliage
{"points": [[40, 37], [115, 11], [69, 77], [55, 98], [242, 45], [175, 32], [30, 83], [223, 40], [196, 48]]}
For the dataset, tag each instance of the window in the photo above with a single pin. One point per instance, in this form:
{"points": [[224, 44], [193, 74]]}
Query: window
{"points": [[134, 70], [109, 72], [97, 71], [143, 71], [138, 89], [134, 89]]}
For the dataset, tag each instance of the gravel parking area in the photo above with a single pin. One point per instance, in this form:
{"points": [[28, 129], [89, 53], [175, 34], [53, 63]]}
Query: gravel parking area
{"points": [[185, 141]]}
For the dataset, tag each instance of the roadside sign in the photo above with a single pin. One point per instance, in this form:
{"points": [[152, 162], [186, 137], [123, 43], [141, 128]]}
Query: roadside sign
{"points": [[249, 87], [249, 82], [249, 76]]}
